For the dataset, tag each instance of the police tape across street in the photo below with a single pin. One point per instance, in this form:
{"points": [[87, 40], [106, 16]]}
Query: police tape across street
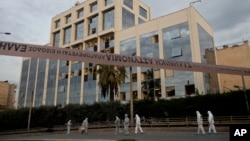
{"points": [[39, 51]]}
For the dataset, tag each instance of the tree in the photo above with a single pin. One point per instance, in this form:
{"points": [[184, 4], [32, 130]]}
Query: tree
{"points": [[110, 79]]}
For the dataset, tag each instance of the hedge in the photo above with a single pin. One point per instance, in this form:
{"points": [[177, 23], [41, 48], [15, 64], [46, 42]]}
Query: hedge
{"points": [[229, 104]]}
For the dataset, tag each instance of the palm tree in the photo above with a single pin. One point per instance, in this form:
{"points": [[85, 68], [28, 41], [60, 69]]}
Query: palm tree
{"points": [[110, 78]]}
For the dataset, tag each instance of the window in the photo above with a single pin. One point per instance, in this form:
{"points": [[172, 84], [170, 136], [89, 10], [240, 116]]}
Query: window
{"points": [[80, 13], [190, 89], [140, 21], [56, 39], [122, 96], [57, 23], [155, 39], [176, 52], [128, 19], [68, 19], [128, 3], [67, 34], [77, 72], [79, 30], [175, 34], [93, 24], [170, 91], [169, 73], [93, 7], [62, 89], [108, 20], [149, 44], [108, 2], [143, 12]]}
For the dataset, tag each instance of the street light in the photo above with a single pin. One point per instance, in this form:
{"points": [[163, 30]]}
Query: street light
{"points": [[6, 33], [30, 110], [131, 96], [245, 94], [191, 3]]}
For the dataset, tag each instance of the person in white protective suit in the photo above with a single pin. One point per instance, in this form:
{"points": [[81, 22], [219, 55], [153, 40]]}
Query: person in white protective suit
{"points": [[117, 125], [85, 125], [68, 126], [211, 127], [200, 123], [126, 124], [138, 124]]}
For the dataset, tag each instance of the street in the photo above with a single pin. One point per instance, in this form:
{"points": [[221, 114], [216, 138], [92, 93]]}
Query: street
{"points": [[150, 134]]}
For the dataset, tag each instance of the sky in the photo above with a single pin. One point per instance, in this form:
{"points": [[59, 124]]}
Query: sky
{"points": [[29, 21]]}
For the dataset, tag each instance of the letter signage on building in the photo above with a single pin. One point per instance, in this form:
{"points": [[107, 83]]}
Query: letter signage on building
{"points": [[29, 50]]}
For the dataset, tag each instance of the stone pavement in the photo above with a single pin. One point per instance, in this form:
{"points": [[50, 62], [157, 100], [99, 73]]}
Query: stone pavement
{"points": [[150, 134]]}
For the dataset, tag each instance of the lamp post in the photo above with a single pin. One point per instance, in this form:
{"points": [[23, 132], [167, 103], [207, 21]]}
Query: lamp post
{"points": [[30, 110], [191, 3], [131, 96], [6, 33], [245, 94]]}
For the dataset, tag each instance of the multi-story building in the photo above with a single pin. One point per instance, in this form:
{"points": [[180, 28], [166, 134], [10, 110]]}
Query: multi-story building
{"points": [[120, 27], [7, 95], [236, 55]]}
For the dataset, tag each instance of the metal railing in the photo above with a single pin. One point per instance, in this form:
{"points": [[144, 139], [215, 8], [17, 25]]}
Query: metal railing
{"points": [[171, 122]]}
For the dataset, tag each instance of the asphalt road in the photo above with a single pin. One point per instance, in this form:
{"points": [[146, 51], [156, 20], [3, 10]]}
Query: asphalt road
{"points": [[149, 134]]}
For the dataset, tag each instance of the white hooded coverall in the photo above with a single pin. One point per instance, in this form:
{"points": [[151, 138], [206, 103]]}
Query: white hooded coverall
{"points": [[138, 124], [211, 122], [200, 123]]}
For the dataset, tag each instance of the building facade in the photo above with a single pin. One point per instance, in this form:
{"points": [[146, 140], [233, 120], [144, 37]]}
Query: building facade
{"points": [[236, 55], [120, 27], [7, 95]]}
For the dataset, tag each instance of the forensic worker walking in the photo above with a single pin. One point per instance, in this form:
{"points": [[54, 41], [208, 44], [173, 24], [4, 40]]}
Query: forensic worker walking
{"points": [[85, 125], [211, 127], [117, 125], [68, 126], [200, 123], [138, 124], [126, 124]]}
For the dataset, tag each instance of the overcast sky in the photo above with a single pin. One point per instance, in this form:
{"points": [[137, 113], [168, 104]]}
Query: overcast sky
{"points": [[29, 22]]}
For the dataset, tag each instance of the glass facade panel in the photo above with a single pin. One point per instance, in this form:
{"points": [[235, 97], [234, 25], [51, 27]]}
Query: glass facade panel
{"points": [[75, 83], [89, 94], [149, 45], [176, 42], [125, 88], [51, 82], [23, 84], [143, 12], [128, 19], [128, 47], [80, 13], [62, 82], [67, 35], [176, 45], [57, 24], [206, 41], [79, 30], [32, 79], [108, 19], [68, 19], [93, 7], [40, 82], [140, 21], [128, 3], [56, 39], [108, 2], [93, 25]]}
